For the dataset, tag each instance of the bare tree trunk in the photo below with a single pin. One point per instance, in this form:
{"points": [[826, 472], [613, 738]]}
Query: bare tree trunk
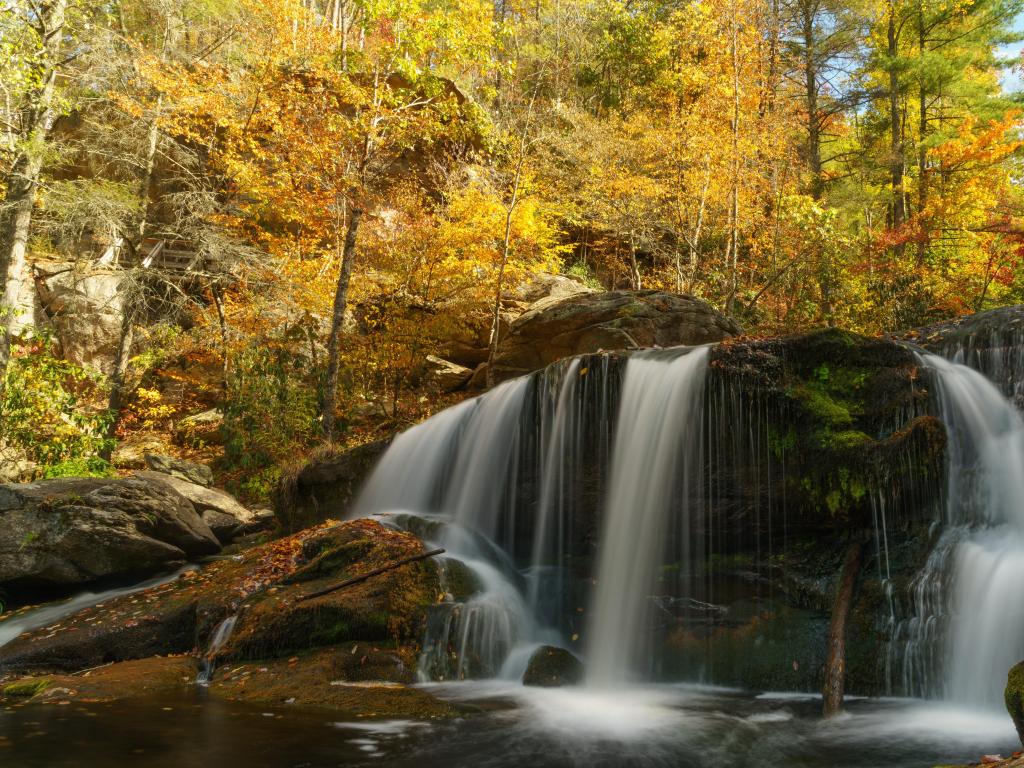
{"points": [[348, 255], [835, 667], [506, 246], [922, 155], [222, 321], [811, 102], [896, 160], [22, 181], [734, 203], [119, 375], [634, 267]]}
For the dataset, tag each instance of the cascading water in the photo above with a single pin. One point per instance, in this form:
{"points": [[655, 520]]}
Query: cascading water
{"points": [[979, 561], [450, 481], [655, 463]]}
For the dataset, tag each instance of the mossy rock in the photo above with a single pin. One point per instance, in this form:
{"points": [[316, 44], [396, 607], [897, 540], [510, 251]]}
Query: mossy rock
{"points": [[552, 667], [1014, 697]]}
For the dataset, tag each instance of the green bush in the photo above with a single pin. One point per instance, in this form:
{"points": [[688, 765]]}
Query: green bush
{"points": [[53, 409], [90, 466], [270, 412]]}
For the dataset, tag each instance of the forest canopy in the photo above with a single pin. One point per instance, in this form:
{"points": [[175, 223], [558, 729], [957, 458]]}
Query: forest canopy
{"points": [[302, 199]]}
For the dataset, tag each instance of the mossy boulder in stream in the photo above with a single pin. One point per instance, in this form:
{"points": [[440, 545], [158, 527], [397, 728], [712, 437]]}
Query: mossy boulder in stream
{"points": [[281, 642], [1014, 697], [552, 667]]}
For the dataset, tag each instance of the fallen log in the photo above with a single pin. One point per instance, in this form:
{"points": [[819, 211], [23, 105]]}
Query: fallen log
{"points": [[370, 574], [835, 667]]}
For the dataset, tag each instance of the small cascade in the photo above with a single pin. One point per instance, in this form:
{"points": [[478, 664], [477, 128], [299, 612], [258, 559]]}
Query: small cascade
{"points": [[656, 463], [208, 663], [13, 626], [967, 610]]}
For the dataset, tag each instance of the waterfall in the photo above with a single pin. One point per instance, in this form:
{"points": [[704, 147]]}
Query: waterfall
{"points": [[452, 480], [220, 637], [985, 519], [655, 462]]}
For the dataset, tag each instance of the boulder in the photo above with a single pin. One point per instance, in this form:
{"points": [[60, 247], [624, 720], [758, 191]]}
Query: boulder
{"points": [[1014, 697], [991, 342], [200, 428], [448, 376], [552, 667], [15, 464], [57, 533], [262, 588], [326, 486], [83, 304], [558, 327], [218, 509], [544, 285], [191, 471], [131, 452]]}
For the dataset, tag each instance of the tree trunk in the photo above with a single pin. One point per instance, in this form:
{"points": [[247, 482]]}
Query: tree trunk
{"points": [[835, 667], [119, 376], [896, 160], [734, 202], [23, 179], [222, 321], [922, 155], [811, 104], [330, 396]]}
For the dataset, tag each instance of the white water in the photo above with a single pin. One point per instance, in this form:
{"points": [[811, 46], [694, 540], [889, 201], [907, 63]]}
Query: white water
{"points": [[655, 462], [49, 614], [985, 507], [449, 479], [220, 636]]}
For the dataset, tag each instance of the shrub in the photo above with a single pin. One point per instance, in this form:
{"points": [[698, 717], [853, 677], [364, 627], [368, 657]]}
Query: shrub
{"points": [[53, 409]]}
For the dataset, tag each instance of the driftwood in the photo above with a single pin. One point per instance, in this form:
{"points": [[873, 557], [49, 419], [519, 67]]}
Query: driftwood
{"points": [[370, 574], [835, 667]]}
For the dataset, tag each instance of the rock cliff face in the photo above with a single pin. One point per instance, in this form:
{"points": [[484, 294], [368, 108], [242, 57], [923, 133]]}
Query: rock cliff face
{"points": [[83, 305]]}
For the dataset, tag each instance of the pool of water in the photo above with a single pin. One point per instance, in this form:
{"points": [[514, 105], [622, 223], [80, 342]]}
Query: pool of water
{"points": [[511, 726]]}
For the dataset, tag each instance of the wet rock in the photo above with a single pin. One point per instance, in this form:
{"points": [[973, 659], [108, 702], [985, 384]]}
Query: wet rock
{"points": [[552, 667], [139, 678], [262, 587], [1014, 697], [191, 471], [558, 327], [325, 486], [991, 342], [76, 530]]}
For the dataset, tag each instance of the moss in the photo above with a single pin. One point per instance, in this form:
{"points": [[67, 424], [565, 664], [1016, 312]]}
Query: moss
{"points": [[27, 688], [1013, 696]]}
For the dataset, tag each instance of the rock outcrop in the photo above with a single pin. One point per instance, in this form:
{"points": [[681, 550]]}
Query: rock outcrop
{"points": [[83, 304], [326, 486], [368, 631], [221, 511], [57, 533], [991, 342], [558, 327], [190, 471]]}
